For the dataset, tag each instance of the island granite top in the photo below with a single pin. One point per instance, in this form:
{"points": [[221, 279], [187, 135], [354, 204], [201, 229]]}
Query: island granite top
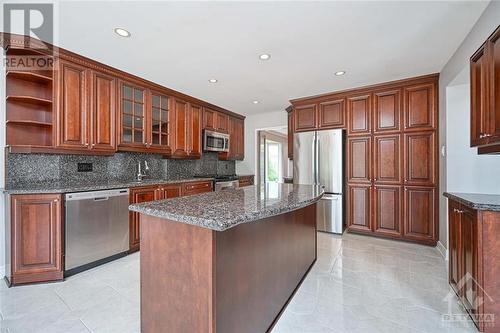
{"points": [[95, 185], [222, 210], [476, 200]]}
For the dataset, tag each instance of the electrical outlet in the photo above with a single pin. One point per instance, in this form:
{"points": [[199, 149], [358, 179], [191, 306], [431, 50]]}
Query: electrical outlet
{"points": [[85, 167]]}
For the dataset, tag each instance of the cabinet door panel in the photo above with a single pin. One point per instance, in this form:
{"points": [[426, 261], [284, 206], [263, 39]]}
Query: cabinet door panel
{"points": [[305, 117], [138, 196], [359, 208], [454, 244], [331, 114], [196, 188], [387, 159], [387, 111], [420, 107], [181, 128], [420, 158], [494, 111], [479, 97], [359, 159], [209, 119], [420, 217], [240, 137], [387, 211], [469, 258], [171, 191], [72, 112], [194, 134], [133, 122], [36, 238], [103, 112], [222, 122], [359, 115], [290, 135], [160, 129]]}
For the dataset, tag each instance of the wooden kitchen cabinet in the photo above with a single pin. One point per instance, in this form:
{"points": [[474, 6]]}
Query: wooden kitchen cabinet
{"points": [[132, 108], [102, 112], [420, 158], [236, 131], [359, 115], [181, 121], [332, 114], [420, 214], [72, 112], [209, 119], [387, 111], [485, 95], [138, 195], [387, 159], [359, 207], [159, 126], [222, 122], [388, 213], [290, 132], [197, 187], [36, 238], [245, 181], [305, 118], [473, 261], [359, 159], [420, 102], [195, 116], [87, 110]]}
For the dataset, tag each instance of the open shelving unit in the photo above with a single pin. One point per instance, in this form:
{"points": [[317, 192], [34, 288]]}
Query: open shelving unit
{"points": [[29, 105]]}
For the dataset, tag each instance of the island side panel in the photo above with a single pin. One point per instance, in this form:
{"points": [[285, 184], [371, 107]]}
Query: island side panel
{"points": [[176, 277], [258, 267]]}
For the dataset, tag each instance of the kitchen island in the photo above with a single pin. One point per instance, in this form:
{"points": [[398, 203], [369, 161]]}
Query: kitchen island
{"points": [[225, 261]]}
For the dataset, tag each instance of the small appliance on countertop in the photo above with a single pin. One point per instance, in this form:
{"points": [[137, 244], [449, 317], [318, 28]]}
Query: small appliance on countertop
{"points": [[222, 182]]}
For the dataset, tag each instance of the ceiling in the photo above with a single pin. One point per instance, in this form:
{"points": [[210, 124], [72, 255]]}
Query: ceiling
{"points": [[184, 44]]}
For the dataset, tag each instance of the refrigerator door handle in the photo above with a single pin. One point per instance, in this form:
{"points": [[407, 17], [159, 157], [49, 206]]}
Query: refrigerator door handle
{"points": [[318, 162], [314, 162]]}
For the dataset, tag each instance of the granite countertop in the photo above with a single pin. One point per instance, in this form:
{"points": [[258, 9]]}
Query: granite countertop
{"points": [[225, 209], [72, 186], [476, 200]]}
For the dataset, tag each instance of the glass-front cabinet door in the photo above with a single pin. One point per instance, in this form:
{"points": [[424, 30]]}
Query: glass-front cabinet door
{"points": [[160, 121], [133, 115]]}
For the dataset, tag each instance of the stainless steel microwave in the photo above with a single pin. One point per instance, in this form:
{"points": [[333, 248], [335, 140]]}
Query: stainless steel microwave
{"points": [[215, 141]]}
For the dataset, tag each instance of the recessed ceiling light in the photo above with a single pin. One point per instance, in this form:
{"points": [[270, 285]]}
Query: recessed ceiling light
{"points": [[213, 80], [255, 102], [265, 56], [121, 32], [340, 73]]}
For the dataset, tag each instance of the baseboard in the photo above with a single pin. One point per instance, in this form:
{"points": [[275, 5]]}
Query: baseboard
{"points": [[443, 250]]}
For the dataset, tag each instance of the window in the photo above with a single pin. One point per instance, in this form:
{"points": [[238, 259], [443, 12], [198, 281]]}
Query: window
{"points": [[273, 161]]}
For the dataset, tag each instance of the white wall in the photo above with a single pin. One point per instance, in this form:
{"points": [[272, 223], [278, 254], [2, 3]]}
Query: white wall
{"points": [[252, 124], [485, 25], [466, 170]]}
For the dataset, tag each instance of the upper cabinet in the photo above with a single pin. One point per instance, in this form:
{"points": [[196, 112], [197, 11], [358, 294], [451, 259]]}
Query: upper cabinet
{"points": [[86, 110], [419, 107], [331, 114], [485, 95], [359, 115], [80, 106], [236, 130], [387, 111], [305, 117]]}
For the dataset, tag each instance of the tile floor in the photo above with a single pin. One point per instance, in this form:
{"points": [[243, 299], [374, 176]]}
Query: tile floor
{"points": [[359, 284]]}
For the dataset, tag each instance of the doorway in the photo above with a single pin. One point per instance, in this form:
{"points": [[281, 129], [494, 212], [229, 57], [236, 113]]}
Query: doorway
{"points": [[272, 156]]}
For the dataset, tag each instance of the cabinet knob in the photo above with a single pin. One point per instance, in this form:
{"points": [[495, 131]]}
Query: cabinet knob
{"points": [[86, 144], [56, 200], [93, 145]]}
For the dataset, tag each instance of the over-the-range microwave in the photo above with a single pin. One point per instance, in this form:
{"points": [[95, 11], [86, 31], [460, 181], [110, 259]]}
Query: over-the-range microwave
{"points": [[215, 141]]}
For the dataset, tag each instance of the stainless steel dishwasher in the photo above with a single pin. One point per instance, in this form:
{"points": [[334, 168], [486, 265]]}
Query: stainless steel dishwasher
{"points": [[96, 228]]}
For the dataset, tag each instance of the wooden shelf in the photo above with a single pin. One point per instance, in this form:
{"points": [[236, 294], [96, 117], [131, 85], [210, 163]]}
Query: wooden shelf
{"points": [[29, 99], [29, 123], [29, 76]]}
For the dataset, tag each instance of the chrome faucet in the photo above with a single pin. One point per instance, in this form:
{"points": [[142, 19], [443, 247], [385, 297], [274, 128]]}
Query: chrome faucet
{"points": [[140, 175]]}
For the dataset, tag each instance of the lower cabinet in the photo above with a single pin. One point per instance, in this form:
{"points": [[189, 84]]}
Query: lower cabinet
{"points": [[197, 188], [474, 254], [245, 181], [36, 238], [394, 211], [158, 192]]}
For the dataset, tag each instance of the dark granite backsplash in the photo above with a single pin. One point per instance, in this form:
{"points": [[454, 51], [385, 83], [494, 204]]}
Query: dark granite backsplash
{"points": [[41, 168]]}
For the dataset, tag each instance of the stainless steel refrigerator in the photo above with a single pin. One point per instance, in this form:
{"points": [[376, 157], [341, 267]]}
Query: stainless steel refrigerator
{"points": [[318, 158]]}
